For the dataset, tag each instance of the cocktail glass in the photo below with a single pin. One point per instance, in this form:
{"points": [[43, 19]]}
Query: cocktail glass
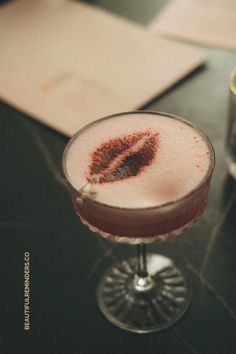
{"points": [[147, 293]]}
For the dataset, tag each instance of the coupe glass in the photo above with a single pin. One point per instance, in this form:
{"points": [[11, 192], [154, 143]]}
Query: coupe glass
{"points": [[147, 293]]}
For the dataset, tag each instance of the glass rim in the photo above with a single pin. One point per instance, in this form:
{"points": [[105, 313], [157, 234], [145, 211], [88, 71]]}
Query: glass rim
{"points": [[232, 81], [160, 206]]}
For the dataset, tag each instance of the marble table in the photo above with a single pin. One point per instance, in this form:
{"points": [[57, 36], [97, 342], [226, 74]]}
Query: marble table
{"points": [[66, 259]]}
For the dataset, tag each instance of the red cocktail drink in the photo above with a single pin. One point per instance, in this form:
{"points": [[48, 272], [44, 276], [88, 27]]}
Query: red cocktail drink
{"points": [[140, 177], [152, 175]]}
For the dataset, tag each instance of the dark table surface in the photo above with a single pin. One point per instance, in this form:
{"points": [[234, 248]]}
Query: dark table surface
{"points": [[66, 259]]}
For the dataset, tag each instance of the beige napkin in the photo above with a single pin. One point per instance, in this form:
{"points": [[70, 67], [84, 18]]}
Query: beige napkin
{"points": [[66, 63], [211, 22]]}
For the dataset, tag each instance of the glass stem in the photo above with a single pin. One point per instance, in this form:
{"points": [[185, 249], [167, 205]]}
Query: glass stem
{"points": [[142, 261], [143, 283]]}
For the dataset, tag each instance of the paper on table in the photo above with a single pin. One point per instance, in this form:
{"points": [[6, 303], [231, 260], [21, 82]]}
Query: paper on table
{"points": [[66, 63], [210, 22]]}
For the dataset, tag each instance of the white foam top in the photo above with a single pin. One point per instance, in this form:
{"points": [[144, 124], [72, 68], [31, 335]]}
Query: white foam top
{"points": [[180, 163]]}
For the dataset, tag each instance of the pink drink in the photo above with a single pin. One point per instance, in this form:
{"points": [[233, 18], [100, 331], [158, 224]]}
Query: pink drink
{"points": [[148, 175]]}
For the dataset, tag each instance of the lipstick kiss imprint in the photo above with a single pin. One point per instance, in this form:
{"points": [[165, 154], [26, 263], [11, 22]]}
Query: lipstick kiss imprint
{"points": [[123, 157]]}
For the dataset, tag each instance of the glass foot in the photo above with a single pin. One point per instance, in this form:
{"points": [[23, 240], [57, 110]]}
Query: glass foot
{"points": [[143, 305]]}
